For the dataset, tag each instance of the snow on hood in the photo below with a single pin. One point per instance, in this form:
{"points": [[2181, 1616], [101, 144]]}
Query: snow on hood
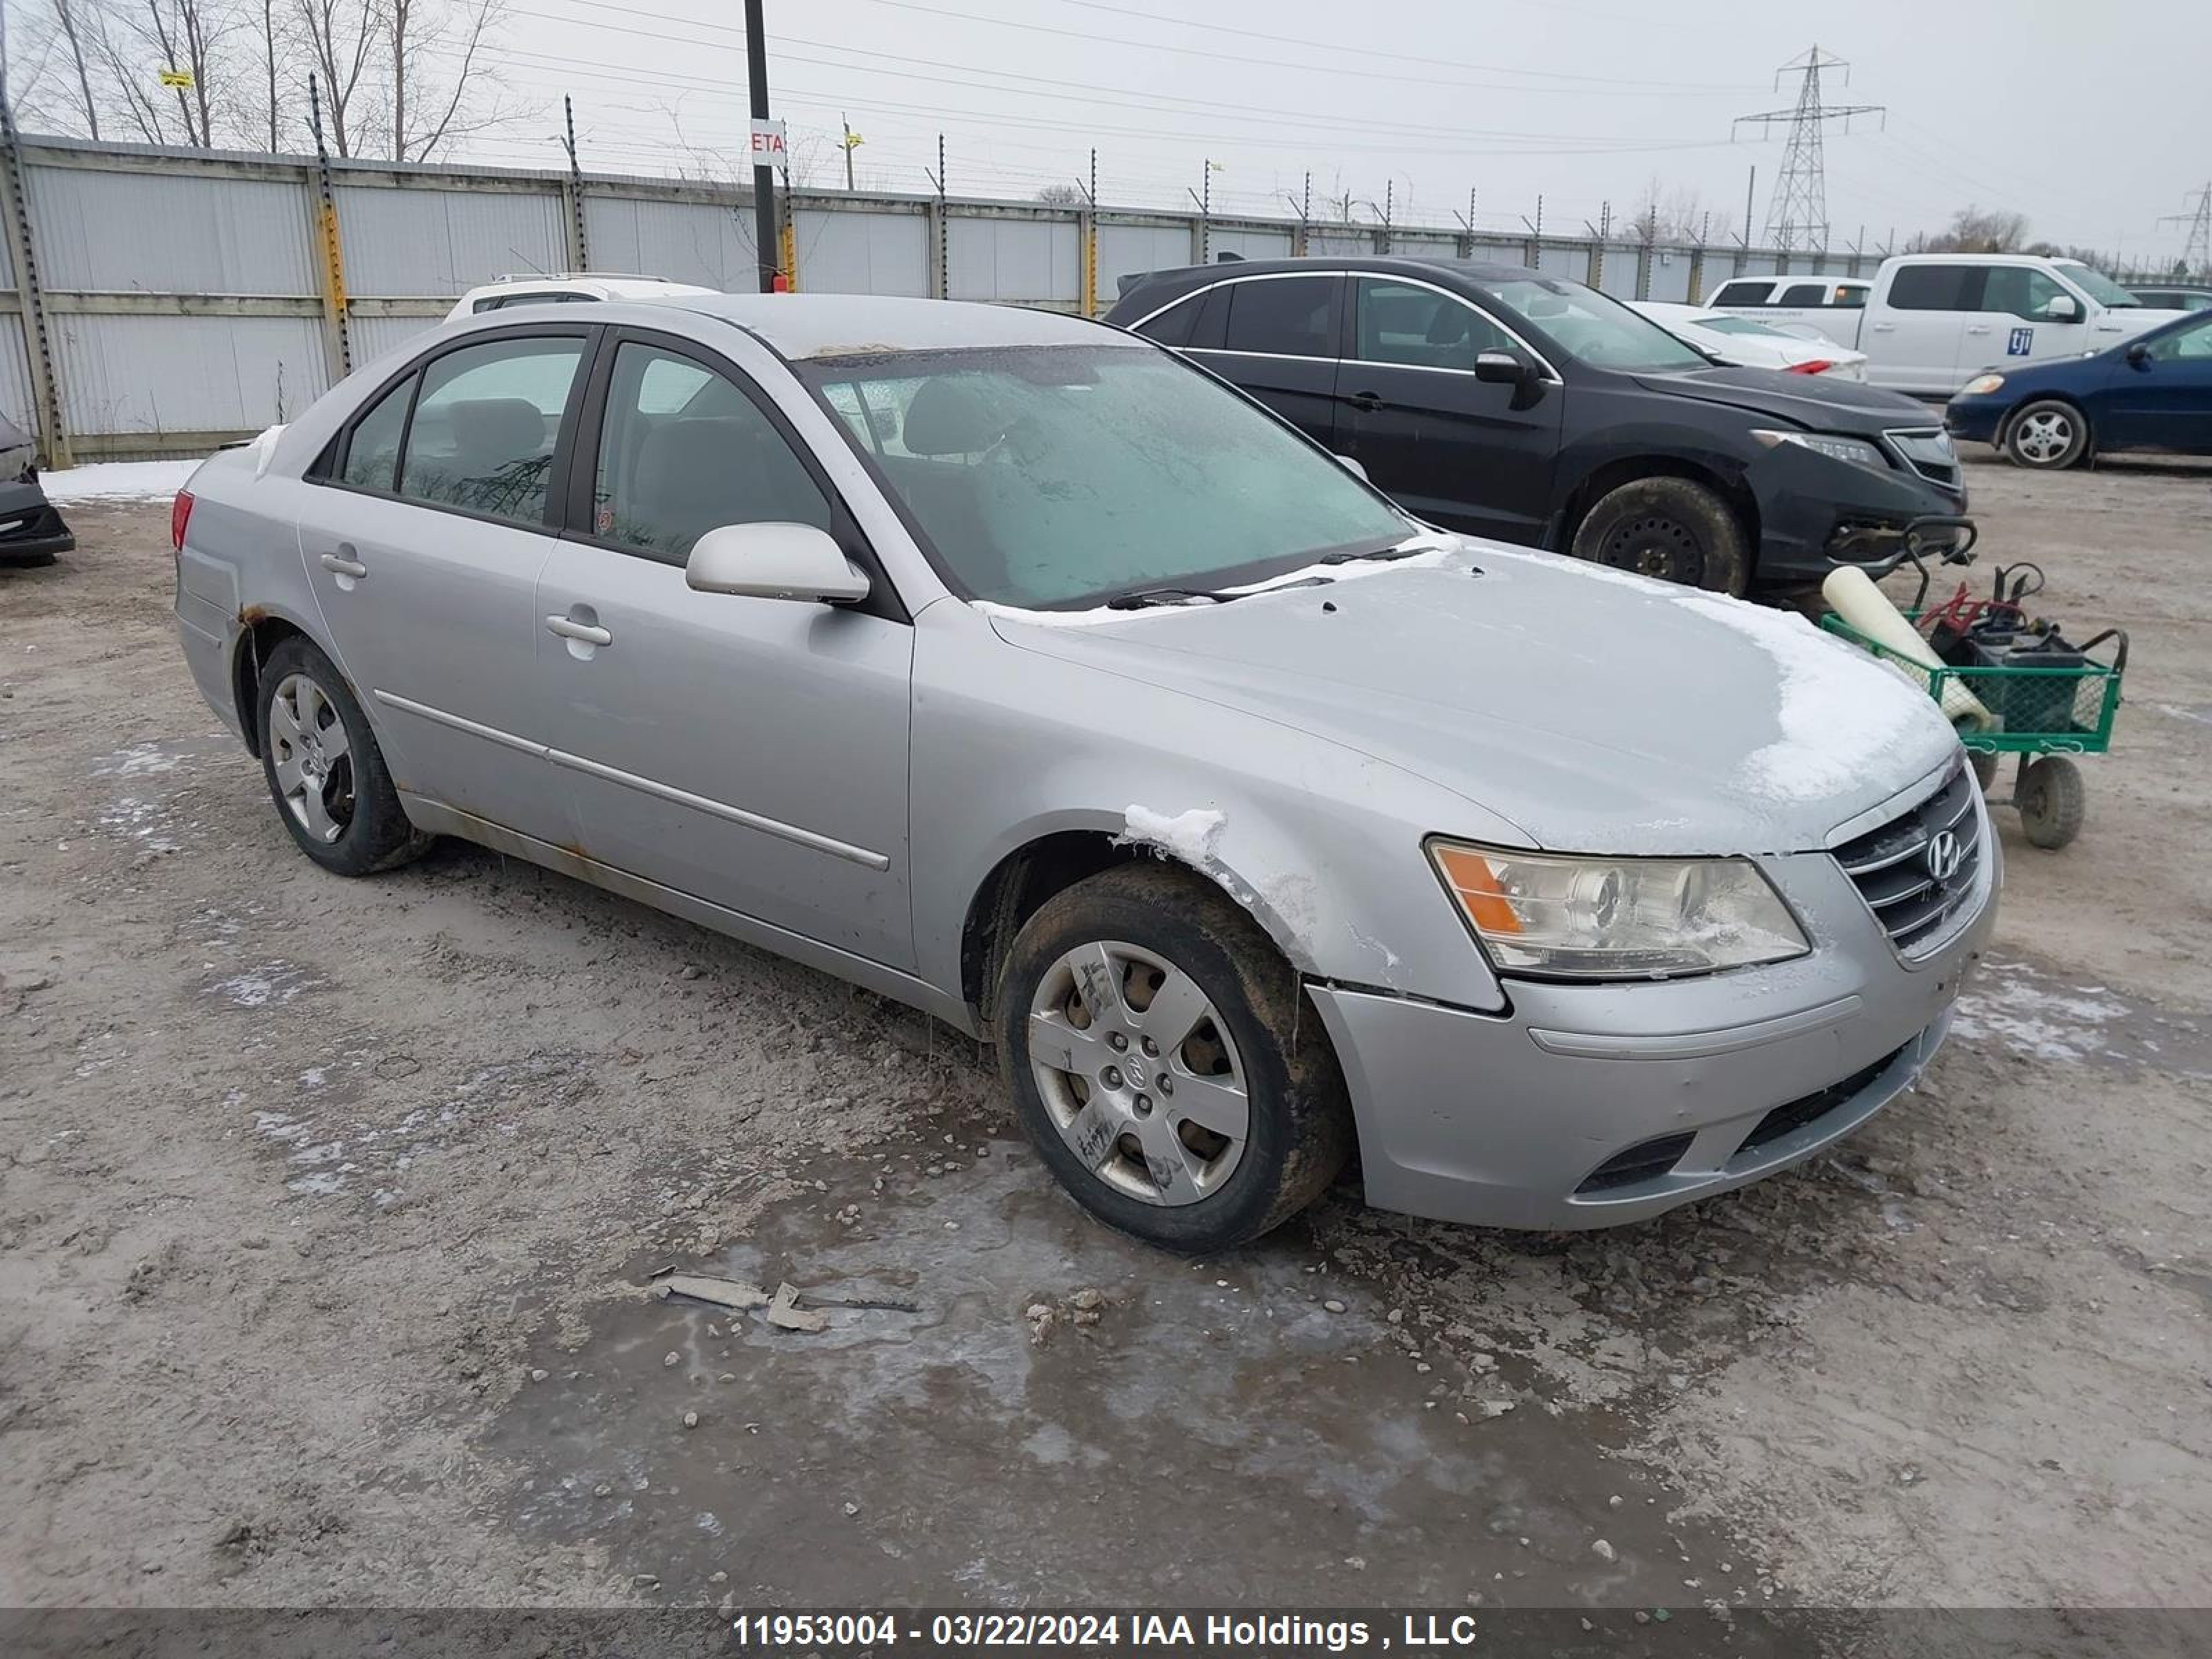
{"points": [[1598, 711]]}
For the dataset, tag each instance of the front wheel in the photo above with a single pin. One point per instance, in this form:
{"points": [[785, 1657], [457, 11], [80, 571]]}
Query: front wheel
{"points": [[2047, 435], [1672, 529], [1161, 1062]]}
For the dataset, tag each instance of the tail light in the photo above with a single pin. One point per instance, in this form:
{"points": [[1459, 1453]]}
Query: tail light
{"points": [[1815, 366], [180, 514]]}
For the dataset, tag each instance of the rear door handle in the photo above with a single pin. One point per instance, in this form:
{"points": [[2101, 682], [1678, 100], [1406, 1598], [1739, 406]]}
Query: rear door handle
{"points": [[1884, 328], [338, 566], [1365, 400], [587, 633], [1977, 328]]}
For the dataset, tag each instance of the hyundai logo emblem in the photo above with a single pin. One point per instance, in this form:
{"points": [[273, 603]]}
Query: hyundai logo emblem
{"points": [[1945, 855]]}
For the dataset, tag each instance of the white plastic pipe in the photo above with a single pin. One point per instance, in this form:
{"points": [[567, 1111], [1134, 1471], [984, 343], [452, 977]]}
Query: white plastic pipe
{"points": [[1851, 594]]}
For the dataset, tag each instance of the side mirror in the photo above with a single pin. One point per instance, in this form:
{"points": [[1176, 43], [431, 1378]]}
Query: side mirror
{"points": [[1500, 367], [2062, 308], [774, 561], [1352, 467], [2138, 353]]}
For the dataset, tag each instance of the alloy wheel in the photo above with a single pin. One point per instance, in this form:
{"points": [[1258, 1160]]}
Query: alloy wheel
{"points": [[1139, 1072], [311, 757], [2044, 436]]}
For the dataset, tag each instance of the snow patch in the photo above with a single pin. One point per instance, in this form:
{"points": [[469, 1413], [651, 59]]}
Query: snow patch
{"points": [[1189, 836], [1843, 715], [117, 481], [2008, 1004]]}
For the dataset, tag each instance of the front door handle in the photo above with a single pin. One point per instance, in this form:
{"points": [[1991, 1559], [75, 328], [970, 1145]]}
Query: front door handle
{"points": [[586, 633], [1977, 328], [338, 566], [1365, 401]]}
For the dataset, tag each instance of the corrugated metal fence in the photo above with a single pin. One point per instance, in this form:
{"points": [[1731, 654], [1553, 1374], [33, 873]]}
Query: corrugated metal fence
{"points": [[189, 299]]}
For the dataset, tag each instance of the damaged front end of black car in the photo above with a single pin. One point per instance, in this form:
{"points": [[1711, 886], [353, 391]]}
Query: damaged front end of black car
{"points": [[31, 527]]}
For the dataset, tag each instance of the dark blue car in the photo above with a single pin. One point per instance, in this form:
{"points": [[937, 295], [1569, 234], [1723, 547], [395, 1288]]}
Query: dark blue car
{"points": [[2153, 391]]}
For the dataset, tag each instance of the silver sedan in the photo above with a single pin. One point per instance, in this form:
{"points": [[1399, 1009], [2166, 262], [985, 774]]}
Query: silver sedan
{"points": [[1012, 666]]}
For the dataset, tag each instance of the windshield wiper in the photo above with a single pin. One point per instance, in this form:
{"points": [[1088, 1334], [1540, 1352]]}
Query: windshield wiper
{"points": [[1396, 550], [1151, 596]]}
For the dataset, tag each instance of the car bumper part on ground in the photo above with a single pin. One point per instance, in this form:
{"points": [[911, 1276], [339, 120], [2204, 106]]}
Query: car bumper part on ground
{"points": [[30, 527], [1512, 1120]]}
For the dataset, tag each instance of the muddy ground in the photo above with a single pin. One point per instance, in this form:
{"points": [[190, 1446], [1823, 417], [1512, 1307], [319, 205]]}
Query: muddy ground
{"points": [[325, 1206]]}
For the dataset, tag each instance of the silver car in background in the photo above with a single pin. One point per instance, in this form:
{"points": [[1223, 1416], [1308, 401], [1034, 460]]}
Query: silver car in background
{"points": [[1011, 667]]}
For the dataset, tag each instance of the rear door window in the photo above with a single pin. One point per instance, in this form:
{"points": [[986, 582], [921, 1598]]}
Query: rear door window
{"points": [[481, 438], [1935, 288], [1172, 326], [1282, 316], [1805, 294]]}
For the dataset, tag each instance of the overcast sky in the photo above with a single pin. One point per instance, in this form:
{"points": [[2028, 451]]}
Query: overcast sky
{"points": [[2092, 129]]}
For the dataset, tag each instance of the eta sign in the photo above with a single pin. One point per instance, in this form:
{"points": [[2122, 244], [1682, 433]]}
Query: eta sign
{"points": [[769, 150]]}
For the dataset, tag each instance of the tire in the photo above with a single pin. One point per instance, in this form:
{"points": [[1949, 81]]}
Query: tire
{"points": [[1986, 768], [1152, 1168], [2047, 435], [335, 797], [2052, 802], [1671, 529]]}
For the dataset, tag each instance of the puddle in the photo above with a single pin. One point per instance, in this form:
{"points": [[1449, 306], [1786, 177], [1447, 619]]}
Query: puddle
{"points": [[1218, 1437]]}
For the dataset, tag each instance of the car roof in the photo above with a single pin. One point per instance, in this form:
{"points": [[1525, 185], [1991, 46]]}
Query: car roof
{"points": [[800, 325], [1473, 270]]}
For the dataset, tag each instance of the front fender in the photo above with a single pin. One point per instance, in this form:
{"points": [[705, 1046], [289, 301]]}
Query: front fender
{"points": [[1322, 846]]}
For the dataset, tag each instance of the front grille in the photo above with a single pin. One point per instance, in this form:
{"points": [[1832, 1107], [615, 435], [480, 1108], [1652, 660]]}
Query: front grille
{"points": [[1928, 453], [1793, 1115], [1645, 1161], [1897, 872]]}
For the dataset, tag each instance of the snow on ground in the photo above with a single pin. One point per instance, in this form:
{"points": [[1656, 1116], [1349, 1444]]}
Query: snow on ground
{"points": [[116, 480]]}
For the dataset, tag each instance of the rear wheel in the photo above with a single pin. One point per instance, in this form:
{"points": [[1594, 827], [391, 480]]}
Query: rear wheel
{"points": [[2047, 435], [324, 772], [1155, 1045], [1672, 529]]}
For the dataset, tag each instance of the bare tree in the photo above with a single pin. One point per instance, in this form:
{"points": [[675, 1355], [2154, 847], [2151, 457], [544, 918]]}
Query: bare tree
{"points": [[1062, 196], [427, 116], [1978, 230], [66, 22], [341, 39]]}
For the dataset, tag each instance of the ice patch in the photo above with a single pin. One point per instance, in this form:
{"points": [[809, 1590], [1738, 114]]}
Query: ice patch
{"points": [[140, 760], [117, 481], [2008, 1004], [268, 986]]}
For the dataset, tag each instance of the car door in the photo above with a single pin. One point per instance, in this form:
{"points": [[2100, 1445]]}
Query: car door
{"points": [[2160, 393], [2013, 324], [1913, 339], [1278, 341], [749, 752], [423, 547], [1471, 454]]}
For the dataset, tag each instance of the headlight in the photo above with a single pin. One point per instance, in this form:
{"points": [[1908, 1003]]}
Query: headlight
{"points": [[1857, 451], [1592, 918], [1981, 386]]}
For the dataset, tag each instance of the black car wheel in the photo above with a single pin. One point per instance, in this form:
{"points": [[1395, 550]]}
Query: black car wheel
{"points": [[1670, 529], [2047, 435]]}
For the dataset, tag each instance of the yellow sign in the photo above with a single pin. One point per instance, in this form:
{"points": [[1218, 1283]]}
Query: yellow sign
{"points": [[853, 140], [177, 78]]}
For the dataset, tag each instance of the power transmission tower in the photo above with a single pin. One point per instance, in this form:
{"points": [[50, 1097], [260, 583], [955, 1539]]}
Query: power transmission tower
{"points": [[1797, 212], [2196, 257]]}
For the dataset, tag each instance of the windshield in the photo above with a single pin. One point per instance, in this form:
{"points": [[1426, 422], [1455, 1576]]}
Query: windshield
{"points": [[1064, 476], [2101, 288], [1600, 331]]}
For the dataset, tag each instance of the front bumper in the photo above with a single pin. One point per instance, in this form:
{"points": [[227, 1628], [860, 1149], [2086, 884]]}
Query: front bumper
{"points": [[1977, 420], [1813, 508], [1511, 1120], [30, 526]]}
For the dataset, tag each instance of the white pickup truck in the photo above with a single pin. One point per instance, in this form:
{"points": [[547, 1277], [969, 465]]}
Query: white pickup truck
{"points": [[1933, 321]]}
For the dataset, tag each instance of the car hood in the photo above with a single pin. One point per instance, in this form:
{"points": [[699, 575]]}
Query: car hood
{"points": [[1597, 711], [1808, 400]]}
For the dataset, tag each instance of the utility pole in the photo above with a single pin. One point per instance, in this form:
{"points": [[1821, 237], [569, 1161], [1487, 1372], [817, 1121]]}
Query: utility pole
{"points": [[2196, 257], [1798, 214], [852, 141], [1750, 195], [764, 234]]}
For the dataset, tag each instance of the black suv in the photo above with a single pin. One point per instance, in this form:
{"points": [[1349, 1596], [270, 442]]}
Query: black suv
{"points": [[1508, 403]]}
